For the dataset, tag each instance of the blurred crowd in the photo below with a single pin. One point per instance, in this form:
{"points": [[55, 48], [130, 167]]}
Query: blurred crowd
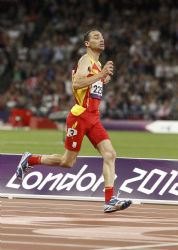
{"points": [[41, 41]]}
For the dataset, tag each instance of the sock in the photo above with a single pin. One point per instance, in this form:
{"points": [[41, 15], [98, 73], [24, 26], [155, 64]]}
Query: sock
{"points": [[108, 193], [34, 160]]}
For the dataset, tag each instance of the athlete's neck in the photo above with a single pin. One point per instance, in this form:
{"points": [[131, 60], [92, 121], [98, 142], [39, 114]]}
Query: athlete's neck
{"points": [[93, 54]]}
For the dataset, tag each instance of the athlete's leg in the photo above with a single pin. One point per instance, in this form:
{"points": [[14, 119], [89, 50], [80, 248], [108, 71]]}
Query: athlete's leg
{"points": [[75, 133], [68, 159], [28, 160], [100, 139], [109, 156]]}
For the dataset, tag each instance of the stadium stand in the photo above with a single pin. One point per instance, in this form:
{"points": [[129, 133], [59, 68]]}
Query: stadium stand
{"points": [[40, 42]]}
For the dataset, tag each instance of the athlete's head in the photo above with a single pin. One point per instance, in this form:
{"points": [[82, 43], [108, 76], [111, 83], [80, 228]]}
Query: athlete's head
{"points": [[94, 40]]}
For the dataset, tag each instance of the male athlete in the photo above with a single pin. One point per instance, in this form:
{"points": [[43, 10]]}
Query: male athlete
{"points": [[87, 82]]}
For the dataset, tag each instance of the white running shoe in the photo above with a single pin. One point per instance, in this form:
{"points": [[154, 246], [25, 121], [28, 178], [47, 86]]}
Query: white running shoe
{"points": [[115, 205], [23, 166]]}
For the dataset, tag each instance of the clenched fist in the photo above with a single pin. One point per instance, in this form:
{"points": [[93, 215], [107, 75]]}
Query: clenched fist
{"points": [[107, 69]]}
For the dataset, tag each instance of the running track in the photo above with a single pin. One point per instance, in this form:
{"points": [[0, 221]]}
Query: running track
{"points": [[28, 224]]}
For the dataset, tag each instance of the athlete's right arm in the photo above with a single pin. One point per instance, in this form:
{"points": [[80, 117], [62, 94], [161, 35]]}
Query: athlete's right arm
{"points": [[81, 80]]}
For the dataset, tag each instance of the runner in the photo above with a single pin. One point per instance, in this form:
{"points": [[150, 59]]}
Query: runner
{"points": [[88, 80]]}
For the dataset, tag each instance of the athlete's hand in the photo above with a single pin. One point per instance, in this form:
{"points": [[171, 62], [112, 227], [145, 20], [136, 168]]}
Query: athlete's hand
{"points": [[107, 79], [107, 69]]}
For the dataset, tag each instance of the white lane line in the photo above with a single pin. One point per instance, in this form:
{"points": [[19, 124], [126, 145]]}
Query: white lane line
{"points": [[76, 238], [30, 205], [88, 225], [29, 235], [140, 246], [54, 202], [52, 209], [100, 216], [68, 224], [168, 235], [158, 208], [51, 244], [90, 208], [49, 225], [47, 205], [38, 236], [100, 213], [81, 204]]}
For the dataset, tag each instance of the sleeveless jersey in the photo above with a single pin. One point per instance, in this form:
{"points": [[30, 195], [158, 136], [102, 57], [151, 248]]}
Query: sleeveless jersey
{"points": [[88, 98]]}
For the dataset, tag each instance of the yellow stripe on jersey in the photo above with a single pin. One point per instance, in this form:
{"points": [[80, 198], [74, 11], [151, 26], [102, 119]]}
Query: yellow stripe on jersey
{"points": [[80, 94]]}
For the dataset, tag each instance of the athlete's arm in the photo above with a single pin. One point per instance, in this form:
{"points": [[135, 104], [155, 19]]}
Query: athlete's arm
{"points": [[80, 78], [107, 79]]}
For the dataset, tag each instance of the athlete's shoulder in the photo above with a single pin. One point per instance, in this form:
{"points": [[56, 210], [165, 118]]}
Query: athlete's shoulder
{"points": [[84, 60]]}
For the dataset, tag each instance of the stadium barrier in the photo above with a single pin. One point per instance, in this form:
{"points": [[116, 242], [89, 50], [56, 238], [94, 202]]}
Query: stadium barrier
{"points": [[142, 180], [56, 118], [158, 126]]}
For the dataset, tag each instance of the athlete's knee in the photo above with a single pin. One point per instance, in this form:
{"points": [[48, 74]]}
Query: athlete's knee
{"points": [[110, 155], [68, 163]]}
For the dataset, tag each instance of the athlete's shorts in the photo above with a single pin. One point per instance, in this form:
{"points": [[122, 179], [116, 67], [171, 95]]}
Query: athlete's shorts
{"points": [[89, 124]]}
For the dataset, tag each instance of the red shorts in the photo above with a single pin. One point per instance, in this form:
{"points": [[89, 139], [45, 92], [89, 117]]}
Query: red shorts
{"points": [[88, 124]]}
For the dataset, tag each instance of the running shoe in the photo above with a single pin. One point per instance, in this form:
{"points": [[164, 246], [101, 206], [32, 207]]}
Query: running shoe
{"points": [[23, 166], [115, 204]]}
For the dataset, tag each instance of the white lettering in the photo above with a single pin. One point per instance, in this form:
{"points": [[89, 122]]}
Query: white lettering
{"points": [[173, 189], [90, 184], [141, 173], [156, 171], [11, 183], [51, 177], [68, 186], [35, 184], [147, 181], [174, 175], [99, 181]]}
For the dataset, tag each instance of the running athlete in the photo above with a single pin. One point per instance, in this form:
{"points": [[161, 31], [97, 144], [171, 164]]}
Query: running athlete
{"points": [[87, 82]]}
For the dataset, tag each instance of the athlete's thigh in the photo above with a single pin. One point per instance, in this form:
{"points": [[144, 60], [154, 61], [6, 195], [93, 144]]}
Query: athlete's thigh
{"points": [[76, 130], [97, 133]]}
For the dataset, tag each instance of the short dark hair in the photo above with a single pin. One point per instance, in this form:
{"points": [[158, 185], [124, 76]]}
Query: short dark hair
{"points": [[86, 36]]}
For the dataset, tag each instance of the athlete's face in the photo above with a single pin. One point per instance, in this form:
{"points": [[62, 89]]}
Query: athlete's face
{"points": [[96, 41]]}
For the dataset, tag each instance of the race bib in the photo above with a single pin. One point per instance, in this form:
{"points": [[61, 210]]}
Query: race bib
{"points": [[96, 90], [71, 132]]}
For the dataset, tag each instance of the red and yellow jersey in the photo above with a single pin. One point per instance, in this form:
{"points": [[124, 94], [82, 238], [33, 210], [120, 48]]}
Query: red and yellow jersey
{"points": [[88, 98]]}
